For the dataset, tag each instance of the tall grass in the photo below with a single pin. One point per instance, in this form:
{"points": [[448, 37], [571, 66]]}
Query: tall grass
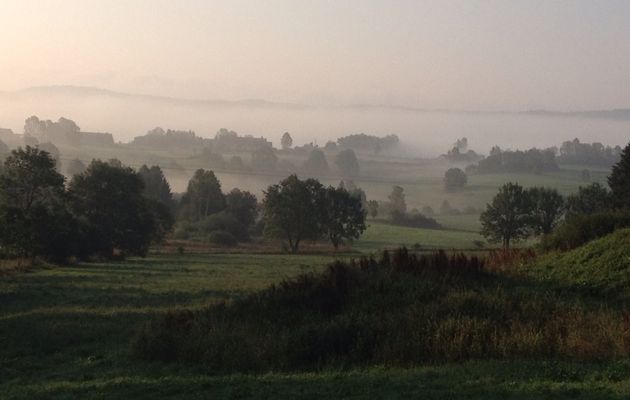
{"points": [[401, 309]]}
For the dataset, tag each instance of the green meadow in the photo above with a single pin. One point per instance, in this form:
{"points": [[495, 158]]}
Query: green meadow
{"points": [[65, 334], [65, 330]]}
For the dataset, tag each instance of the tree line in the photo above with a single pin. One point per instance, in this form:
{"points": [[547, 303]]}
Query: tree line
{"points": [[533, 160], [100, 212], [517, 213], [109, 209], [293, 210]]}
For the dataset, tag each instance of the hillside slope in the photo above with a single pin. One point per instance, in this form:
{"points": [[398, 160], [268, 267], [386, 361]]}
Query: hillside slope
{"points": [[602, 264]]}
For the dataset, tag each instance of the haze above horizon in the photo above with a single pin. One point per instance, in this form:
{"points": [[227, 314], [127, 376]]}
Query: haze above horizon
{"points": [[483, 55]]}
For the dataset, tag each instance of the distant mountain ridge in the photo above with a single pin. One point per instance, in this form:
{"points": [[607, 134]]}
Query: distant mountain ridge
{"points": [[617, 113], [70, 90], [94, 91]]}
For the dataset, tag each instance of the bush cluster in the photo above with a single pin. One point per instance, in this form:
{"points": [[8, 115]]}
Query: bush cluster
{"points": [[413, 220], [580, 229]]}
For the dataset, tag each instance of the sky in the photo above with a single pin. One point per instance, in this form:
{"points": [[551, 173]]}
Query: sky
{"points": [[483, 55]]}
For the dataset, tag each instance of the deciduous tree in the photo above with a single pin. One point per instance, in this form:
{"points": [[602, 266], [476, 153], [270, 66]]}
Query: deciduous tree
{"points": [[115, 214], [619, 180], [588, 200], [455, 179], [547, 209], [243, 206], [203, 196], [397, 201], [506, 218], [344, 216], [347, 163], [293, 210], [264, 159], [372, 208], [287, 141], [33, 218], [316, 163]]}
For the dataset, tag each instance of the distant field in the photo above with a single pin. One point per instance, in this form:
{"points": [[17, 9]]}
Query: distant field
{"points": [[465, 222], [421, 179], [429, 190], [380, 235]]}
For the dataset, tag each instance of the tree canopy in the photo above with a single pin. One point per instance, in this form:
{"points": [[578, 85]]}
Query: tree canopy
{"points": [[203, 196], [506, 218], [316, 163], [397, 201], [344, 216], [548, 208], [619, 180], [287, 141], [588, 200], [293, 210], [29, 177], [264, 159], [75, 167], [109, 201], [347, 163], [243, 206], [454, 179], [33, 217], [156, 187]]}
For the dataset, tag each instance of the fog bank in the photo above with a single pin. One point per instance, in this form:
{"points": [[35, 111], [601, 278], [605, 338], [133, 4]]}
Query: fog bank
{"points": [[425, 133]]}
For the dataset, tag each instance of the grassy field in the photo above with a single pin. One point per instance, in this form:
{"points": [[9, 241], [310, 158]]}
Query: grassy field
{"points": [[65, 334], [464, 222], [65, 331], [380, 236], [68, 327], [422, 180]]}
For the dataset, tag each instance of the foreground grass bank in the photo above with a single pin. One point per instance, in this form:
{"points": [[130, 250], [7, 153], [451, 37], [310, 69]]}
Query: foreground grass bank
{"points": [[65, 334], [479, 380], [73, 323]]}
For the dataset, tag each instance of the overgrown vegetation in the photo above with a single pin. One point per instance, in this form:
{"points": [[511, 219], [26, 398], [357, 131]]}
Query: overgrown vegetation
{"points": [[401, 310]]}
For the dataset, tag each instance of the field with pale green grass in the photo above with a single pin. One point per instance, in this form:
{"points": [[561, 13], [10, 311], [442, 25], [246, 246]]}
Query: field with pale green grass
{"points": [[65, 334]]}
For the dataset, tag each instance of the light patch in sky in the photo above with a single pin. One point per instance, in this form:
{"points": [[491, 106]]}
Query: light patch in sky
{"points": [[436, 54]]}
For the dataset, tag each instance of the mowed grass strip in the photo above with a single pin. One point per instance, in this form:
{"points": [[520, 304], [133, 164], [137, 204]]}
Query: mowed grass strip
{"points": [[385, 236], [490, 380]]}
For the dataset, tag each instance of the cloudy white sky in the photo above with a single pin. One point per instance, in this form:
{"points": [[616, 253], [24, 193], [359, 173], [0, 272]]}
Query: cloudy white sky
{"points": [[566, 55]]}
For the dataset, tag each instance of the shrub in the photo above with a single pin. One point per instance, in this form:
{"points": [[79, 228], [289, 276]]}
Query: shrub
{"points": [[183, 230], [580, 229], [223, 221], [428, 211], [455, 179], [447, 209], [222, 238], [413, 220]]}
